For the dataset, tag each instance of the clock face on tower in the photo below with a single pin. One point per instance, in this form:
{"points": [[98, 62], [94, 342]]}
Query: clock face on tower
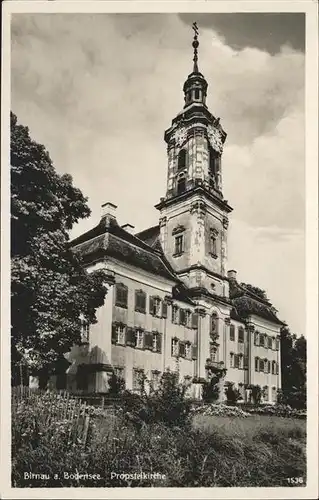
{"points": [[215, 138], [180, 136]]}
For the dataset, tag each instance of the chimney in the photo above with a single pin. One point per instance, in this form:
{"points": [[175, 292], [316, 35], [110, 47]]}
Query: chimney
{"points": [[108, 210], [129, 228], [232, 275]]}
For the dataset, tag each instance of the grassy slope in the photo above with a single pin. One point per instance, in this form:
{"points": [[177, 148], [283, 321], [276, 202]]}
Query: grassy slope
{"points": [[218, 451]]}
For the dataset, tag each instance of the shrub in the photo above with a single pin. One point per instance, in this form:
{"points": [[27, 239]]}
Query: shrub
{"points": [[232, 394], [116, 386], [256, 393]]}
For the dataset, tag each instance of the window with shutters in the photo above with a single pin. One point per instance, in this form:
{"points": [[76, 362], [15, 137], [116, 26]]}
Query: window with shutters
{"points": [[269, 342], [188, 318], [261, 365], [182, 317], [188, 350], [262, 340], [241, 335], [232, 333], [140, 301], [155, 306], [273, 367], [164, 309], [257, 338], [266, 365], [139, 338], [231, 358], [241, 361], [257, 364], [179, 245], [118, 333], [130, 337], [175, 314], [175, 348], [157, 342], [277, 344], [265, 393], [121, 294], [138, 380], [182, 349], [236, 361], [148, 341]]}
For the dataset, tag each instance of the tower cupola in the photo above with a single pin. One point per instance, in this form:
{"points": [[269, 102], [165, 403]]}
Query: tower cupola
{"points": [[195, 87]]}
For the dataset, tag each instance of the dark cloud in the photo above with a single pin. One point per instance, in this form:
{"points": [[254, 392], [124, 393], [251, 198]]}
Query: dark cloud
{"points": [[265, 31]]}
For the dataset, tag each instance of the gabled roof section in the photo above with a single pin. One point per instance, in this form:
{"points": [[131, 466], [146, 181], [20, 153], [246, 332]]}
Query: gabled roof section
{"points": [[110, 239], [246, 303], [150, 236]]}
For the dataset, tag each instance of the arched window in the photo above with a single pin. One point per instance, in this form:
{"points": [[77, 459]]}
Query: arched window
{"points": [[181, 159], [181, 185]]}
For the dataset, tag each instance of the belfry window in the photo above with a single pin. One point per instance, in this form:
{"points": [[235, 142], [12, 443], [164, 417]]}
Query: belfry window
{"points": [[179, 244], [197, 94], [181, 185], [181, 159], [212, 162]]}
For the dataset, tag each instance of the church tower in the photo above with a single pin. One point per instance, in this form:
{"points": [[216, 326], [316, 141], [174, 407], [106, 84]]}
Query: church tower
{"points": [[194, 213]]}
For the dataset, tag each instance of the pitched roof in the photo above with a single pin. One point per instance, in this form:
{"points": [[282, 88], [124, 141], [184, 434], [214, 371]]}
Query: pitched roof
{"points": [[246, 303], [110, 239]]}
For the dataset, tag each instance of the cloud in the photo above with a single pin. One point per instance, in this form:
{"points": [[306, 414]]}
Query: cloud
{"points": [[99, 90]]}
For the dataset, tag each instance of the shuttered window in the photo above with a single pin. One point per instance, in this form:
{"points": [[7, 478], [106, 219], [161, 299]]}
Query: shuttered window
{"points": [[140, 301], [121, 295], [232, 333]]}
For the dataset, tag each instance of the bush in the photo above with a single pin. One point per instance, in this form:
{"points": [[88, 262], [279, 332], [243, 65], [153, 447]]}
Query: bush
{"points": [[232, 394], [167, 404], [256, 393], [116, 386]]}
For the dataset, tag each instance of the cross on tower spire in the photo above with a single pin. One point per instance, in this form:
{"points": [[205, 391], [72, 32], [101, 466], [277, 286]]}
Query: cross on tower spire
{"points": [[195, 45]]}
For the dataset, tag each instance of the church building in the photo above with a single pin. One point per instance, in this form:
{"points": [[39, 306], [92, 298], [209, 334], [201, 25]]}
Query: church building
{"points": [[172, 303]]}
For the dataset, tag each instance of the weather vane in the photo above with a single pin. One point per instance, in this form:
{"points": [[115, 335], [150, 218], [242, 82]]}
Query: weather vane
{"points": [[195, 45]]}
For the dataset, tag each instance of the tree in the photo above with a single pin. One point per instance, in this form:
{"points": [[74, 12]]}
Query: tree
{"points": [[293, 368], [49, 286]]}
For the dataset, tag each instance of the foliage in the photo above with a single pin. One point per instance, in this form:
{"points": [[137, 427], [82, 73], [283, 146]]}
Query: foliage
{"points": [[256, 291], [256, 393], [211, 388], [167, 404], [293, 369], [232, 394], [219, 451], [116, 385], [50, 288]]}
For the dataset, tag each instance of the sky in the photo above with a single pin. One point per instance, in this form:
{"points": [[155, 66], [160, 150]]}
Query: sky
{"points": [[98, 90]]}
